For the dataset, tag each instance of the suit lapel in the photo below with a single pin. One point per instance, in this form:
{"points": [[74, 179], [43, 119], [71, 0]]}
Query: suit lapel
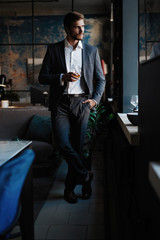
{"points": [[84, 59], [62, 59], [62, 56]]}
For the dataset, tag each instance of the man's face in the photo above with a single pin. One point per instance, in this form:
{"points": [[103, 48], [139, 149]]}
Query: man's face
{"points": [[76, 31]]}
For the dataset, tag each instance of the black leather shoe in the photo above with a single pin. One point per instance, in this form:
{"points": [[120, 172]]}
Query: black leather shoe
{"points": [[70, 196], [86, 187]]}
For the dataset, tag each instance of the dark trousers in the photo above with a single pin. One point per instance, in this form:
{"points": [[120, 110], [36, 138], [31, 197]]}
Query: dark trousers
{"points": [[70, 121]]}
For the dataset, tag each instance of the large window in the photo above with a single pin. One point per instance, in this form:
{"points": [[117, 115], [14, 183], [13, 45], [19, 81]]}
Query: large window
{"points": [[149, 27]]}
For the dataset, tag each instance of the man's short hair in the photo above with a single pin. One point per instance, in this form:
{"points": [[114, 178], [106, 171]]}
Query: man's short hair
{"points": [[72, 17]]}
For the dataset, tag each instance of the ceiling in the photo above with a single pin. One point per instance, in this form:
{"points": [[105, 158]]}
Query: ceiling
{"points": [[52, 7]]}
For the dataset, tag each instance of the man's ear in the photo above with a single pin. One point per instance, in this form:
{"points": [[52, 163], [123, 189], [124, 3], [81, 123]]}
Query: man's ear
{"points": [[67, 30]]}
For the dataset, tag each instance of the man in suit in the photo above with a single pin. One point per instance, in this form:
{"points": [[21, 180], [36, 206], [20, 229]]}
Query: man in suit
{"points": [[69, 67]]}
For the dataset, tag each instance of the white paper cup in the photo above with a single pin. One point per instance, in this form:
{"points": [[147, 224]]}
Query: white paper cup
{"points": [[4, 103]]}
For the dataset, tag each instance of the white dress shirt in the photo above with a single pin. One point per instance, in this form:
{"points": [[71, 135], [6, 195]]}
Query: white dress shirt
{"points": [[73, 58]]}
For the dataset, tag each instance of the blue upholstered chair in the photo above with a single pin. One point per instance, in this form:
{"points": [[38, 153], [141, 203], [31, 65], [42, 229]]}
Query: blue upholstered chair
{"points": [[12, 177]]}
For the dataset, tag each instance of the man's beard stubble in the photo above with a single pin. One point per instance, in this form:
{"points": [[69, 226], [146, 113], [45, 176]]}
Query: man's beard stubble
{"points": [[75, 37]]}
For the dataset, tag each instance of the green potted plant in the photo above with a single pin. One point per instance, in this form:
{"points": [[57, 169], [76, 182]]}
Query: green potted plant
{"points": [[96, 123]]}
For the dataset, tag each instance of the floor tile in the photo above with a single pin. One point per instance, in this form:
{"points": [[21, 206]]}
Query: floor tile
{"points": [[95, 233], [41, 231], [86, 219], [67, 232], [77, 208], [96, 208]]}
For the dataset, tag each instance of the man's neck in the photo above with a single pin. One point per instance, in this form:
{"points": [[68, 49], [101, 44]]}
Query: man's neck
{"points": [[72, 42]]}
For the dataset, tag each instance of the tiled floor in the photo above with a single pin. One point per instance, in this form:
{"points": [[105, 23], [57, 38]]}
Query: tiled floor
{"points": [[59, 220]]}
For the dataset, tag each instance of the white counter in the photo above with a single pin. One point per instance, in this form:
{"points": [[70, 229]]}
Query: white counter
{"points": [[130, 131]]}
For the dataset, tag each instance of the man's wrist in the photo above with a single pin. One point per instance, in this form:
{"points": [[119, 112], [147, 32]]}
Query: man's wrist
{"points": [[95, 102]]}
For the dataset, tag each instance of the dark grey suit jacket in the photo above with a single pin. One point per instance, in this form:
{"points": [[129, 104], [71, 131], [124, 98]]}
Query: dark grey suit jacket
{"points": [[54, 64]]}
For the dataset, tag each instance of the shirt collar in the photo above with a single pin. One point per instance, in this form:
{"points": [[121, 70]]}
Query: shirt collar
{"points": [[68, 45]]}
